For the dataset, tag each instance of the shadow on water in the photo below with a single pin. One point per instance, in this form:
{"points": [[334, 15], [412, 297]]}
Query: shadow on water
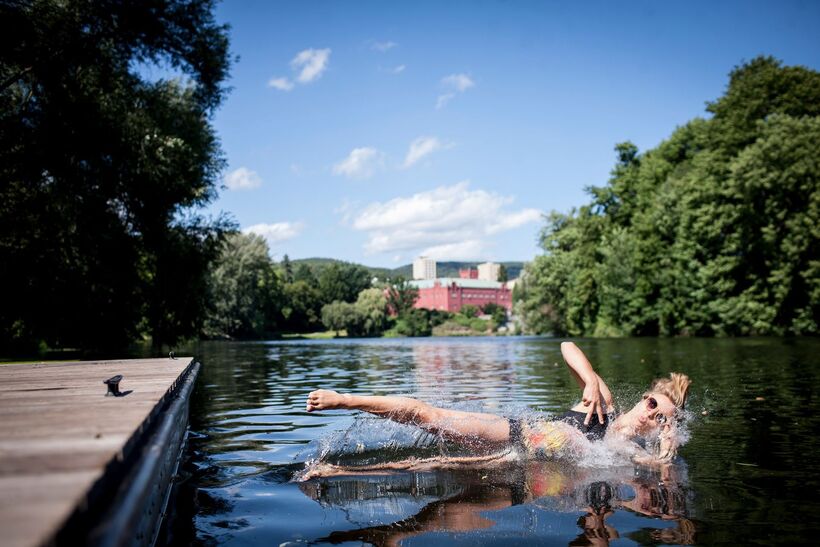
{"points": [[749, 475]]}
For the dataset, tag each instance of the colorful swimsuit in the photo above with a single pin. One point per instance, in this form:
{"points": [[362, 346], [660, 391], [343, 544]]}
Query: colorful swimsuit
{"points": [[544, 439]]}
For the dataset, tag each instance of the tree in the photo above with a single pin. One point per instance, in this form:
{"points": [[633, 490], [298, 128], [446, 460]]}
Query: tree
{"points": [[713, 232], [103, 171], [366, 317], [372, 306], [301, 308], [401, 296], [244, 290], [497, 312], [302, 272], [340, 316], [343, 281], [756, 90], [414, 322], [503, 275], [468, 310], [287, 269], [333, 285], [775, 186]]}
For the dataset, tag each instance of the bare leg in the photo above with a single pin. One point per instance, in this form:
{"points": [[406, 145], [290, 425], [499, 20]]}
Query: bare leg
{"points": [[454, 424], [324, 470]]}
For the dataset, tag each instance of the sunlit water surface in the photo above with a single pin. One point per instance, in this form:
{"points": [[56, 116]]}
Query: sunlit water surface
{"points": [[748, 475]]}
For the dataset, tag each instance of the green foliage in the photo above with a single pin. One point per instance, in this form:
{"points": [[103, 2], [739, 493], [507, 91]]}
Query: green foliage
{"points": [[303, 272], [244, 290], [287, 269], [714, 232], [503, 275], [497, 312], [415, 322], [103, 171], [372, 306], [418, 322], [301, 306], [437, 317], [459, 325], [479, 325], [366, 317], [343, 281], [401, 296], [468, 310], [340, 316]]}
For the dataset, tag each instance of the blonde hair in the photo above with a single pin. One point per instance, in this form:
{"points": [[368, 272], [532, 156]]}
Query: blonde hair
{"points": [[676, 387]]}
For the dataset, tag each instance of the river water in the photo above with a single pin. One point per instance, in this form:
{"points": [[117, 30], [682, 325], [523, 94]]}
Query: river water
{"points": [[749, 473]]}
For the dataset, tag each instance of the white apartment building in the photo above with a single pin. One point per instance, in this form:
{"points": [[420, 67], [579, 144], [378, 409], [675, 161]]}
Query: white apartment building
{"points": [[489, 271], [424, 268]]}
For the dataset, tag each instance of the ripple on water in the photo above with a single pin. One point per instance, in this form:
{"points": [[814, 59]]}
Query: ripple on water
{"points": [[743, 478]]}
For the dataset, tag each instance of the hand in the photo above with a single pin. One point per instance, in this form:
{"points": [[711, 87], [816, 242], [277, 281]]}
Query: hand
{"points": [[594, 399], [325, 399]]}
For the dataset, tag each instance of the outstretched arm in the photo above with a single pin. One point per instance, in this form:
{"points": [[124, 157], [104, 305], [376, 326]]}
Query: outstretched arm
{"points": [[455, 424], [596, 396]]}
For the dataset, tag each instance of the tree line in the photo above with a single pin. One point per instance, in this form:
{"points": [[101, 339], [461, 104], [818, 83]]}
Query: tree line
{"points": [[713, 232], [250, 296]]}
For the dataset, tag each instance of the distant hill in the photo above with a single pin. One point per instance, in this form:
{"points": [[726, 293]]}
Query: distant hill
{"points": [[443, 269], [317, 264]]}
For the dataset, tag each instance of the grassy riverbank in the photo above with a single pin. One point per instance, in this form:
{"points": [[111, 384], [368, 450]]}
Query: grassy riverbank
{"points": [[321, 335]]}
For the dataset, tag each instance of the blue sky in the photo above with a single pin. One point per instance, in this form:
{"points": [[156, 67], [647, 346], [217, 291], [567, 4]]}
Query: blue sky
{"points": [[377, 131]]}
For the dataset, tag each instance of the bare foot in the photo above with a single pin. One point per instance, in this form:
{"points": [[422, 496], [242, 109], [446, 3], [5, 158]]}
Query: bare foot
{"points": [[325, 399]]}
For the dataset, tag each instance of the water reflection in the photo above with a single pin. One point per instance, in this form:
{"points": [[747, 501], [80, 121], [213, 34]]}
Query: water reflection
{"points": [[750, 475], [487, 372], [465, 503]]}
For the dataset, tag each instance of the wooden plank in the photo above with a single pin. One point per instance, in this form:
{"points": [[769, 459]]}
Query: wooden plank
{"points": [[58, 431], [27, 516]]}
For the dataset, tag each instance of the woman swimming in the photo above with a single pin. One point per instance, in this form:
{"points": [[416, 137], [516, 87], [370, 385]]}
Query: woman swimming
{"points": [[593, 418]]}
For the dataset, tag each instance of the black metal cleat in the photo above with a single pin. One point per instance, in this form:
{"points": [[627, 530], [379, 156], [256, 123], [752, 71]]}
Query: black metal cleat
{"points": [[113, 384]]}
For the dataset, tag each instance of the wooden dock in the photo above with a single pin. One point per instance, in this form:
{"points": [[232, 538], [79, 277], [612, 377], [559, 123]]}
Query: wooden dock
{"points": [[79, 467]]}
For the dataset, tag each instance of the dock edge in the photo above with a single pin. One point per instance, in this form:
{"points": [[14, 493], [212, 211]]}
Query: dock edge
{"points": [[127, 504]]}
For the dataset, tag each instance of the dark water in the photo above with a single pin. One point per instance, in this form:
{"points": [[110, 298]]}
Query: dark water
{"points": [[750, 473]]}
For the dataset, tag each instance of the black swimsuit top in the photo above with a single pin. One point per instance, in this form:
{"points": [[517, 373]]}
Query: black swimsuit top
{"points": [[594, 431]]}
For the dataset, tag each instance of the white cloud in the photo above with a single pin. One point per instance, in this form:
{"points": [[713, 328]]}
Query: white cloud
{"points": [[514, 220], [311, 62], [383, 46], [448, 221], [442, 100], [464, 250], [454, 84], [276, 232], [242, 179], [282, 84], [421, 147], [458, 82], [398, 69], [361, 163]]}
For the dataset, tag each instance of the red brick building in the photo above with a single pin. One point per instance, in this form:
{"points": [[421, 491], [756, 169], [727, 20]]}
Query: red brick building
{"points": [[450, 294]]}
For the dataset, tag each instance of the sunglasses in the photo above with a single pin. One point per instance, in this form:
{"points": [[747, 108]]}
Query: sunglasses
{"points": [[652, 404]]}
